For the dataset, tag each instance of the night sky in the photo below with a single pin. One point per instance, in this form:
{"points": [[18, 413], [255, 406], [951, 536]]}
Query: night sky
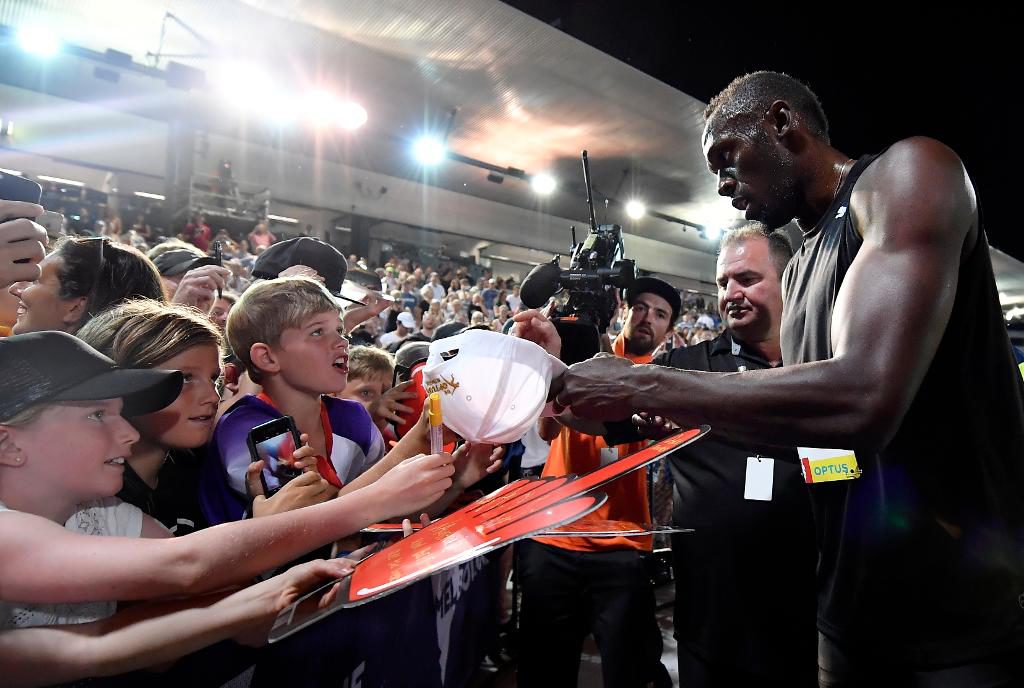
{"points": [[879, 79]]}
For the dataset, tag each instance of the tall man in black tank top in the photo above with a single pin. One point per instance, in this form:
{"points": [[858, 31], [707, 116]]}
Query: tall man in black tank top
{"points": [[894, 347]]}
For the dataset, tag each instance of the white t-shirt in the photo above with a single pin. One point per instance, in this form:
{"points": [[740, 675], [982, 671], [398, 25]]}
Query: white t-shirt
{"points": [[390, 338], [108, 516], [536, 450], [514, 302]]}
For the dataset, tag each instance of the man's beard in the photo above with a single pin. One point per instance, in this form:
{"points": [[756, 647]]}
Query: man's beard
{"points": [[639, 344]]}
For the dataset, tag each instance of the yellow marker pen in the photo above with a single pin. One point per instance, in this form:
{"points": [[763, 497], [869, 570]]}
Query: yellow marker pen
{"points": [[434, 417]]}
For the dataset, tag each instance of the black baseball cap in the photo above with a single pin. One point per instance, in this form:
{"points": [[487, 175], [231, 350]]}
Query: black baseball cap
{"points": [[653, 285], [48, 367], [313, 253], [179, 261], [449, 329]]}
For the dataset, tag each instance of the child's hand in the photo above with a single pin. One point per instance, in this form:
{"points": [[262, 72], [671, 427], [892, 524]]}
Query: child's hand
{"points": [[304, 458], [473, 462], [407, 528], [274, 595], [306, 490], [422, 429], [390, 403], [413, 484]]}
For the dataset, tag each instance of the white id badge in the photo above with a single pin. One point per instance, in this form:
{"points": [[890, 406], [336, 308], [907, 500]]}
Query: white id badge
{"points": [[760, 476], [608, 455]]}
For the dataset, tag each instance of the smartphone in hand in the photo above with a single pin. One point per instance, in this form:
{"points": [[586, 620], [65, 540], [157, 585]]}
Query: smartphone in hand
{"points": [[274, 443]]}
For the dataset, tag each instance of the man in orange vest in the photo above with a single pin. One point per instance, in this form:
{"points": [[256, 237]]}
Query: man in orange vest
{"points": [[574, 586]]}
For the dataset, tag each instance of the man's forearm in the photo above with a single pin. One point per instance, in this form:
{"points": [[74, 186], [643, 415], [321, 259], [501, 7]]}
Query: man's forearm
{"points": [[817, 404]]}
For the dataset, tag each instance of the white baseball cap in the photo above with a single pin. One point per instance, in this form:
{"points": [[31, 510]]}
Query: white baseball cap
{"points": [[493, 387], [407, 320]]}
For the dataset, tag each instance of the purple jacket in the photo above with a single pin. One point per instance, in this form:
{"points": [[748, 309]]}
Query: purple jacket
{"points": [[357, 445]]}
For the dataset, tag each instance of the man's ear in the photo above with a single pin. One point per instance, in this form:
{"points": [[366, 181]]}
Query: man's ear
{"points": [[10, 453], [263, 357], [780, 118]]}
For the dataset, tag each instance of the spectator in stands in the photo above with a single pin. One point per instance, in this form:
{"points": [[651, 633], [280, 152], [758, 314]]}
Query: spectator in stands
{"points": [[221, 308], [191, 278], [405, 325], [490, 294], [242, 254], [513, 300], [198, 233], [410, 299], [80, 279], [701, 334], [435, 284], [426, 331], [390, 316], [477, 305], [390, 280], [260, 237], [141, 228], [84, 225], [365, 333], [426, 295], [456, 311], [112, 228]]}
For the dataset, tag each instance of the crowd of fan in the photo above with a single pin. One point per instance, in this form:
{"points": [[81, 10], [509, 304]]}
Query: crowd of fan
{"points": [[258, 334]]}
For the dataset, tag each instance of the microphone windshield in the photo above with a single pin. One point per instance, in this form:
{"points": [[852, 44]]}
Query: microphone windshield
{"points": [[540, 285]]}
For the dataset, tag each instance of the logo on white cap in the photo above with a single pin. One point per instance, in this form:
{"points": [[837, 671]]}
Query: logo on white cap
{"points": [[494, 386], [446, 387]]}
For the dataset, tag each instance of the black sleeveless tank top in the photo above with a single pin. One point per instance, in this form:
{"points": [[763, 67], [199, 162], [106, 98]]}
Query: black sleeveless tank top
{"points": [[922, 557]]}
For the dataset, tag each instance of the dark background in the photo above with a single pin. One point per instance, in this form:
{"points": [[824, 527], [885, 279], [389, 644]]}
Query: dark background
{"points": [[881, 75]]}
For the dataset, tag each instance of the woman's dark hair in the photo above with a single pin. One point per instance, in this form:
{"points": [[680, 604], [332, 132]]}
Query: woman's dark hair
{"points": [[106, 274]]}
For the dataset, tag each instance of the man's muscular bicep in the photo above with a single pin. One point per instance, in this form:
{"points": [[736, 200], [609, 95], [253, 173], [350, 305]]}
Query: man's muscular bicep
{"points": [[914, 211]]}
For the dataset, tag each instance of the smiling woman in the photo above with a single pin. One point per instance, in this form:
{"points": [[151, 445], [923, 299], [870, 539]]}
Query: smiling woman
{"points": [[81, 278], [162, 474]]}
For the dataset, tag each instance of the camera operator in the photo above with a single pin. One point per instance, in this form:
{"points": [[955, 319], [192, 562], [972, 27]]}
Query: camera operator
{"points": [[573, 586]]}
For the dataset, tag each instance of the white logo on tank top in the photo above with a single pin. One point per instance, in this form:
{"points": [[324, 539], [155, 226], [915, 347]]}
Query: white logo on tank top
{"points": [[842, 212]]}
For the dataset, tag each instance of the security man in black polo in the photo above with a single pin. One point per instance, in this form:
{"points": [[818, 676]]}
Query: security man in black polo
{"points": [[745, 590]]}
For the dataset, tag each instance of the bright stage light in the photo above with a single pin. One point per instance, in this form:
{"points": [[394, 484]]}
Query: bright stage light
{"points": [[428, 151], [543, 183], [713, 232], [38, 41], [635, 209], [351, 115]]}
